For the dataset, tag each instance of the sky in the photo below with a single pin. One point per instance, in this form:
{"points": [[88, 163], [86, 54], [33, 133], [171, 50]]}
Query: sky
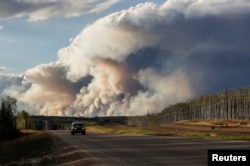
{"points": [[120, 57], [29, 37]]}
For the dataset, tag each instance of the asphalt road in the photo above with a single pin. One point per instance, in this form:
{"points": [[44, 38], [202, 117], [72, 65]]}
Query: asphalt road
{"points": [[134, 150]]}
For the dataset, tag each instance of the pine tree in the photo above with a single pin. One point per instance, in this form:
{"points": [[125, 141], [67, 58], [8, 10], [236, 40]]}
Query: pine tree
{"points": [[7, 119]]}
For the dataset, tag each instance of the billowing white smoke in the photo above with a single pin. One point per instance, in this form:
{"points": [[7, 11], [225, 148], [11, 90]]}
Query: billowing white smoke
{"points": [[139, 60], [102, 51]]}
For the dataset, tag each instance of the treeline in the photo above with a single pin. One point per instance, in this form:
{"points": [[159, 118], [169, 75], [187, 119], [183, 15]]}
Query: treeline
{"points": [[63, 123], [231, 104]]}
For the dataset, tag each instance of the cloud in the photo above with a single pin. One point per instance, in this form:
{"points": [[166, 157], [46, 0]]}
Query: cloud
{"points": [[11, 81], [143, 59], [200, 8], [37, 10], [2, 68], [1, 27]]}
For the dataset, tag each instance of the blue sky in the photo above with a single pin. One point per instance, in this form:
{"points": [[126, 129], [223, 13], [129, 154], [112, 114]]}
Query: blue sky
{"points": [[25, 44], [115, 57]]}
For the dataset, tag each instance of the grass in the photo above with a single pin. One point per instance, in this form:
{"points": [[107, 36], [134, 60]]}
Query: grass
{"points": [[220, 122], [188, 132], [141, 131], [121, 130], [219, 136], [27, 146]]}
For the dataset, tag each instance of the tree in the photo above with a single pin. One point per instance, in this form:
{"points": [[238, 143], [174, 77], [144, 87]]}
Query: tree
{"points": [[23, 120], [7, 118]]}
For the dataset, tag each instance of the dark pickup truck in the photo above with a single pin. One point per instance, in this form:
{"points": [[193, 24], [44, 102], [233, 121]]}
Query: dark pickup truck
{"points": [[78, 127]]}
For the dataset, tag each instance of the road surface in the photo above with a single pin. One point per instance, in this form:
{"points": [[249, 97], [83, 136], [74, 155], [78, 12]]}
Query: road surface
{"points": [[134, 150]]}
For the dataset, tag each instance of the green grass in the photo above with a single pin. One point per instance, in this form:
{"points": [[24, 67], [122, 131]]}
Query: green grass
{"points": [[28, 146]]}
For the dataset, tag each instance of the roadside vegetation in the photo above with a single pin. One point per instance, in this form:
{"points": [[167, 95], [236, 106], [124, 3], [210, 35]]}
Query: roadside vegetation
{"points": [[205, 129], [120, 130], [29, 147], [17, 143], [8, 128]]}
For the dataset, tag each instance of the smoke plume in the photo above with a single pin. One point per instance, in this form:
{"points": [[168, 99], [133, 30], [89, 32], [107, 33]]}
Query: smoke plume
{"points": [[142, 59]]}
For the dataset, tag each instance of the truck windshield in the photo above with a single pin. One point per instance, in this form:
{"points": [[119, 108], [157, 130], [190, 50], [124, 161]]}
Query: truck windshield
{"points": [[78, 125]]}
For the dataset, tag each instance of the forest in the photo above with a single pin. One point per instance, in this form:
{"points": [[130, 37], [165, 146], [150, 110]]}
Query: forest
{"points": [[233, 104]]}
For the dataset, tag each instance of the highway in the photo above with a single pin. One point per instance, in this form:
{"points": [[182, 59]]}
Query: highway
{"points": [[135, 150]]}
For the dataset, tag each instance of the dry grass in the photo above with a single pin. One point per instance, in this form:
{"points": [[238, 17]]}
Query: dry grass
{"points": [[223, 123], [213, 129], [40, 149], [28, 145]]}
